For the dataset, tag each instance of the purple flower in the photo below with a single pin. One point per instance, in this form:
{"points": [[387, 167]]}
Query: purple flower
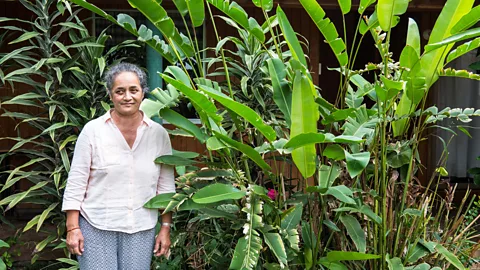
{"points": [[272, 193]]}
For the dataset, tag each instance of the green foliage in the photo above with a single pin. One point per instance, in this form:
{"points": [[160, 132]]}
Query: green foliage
{"points": [[61, 71], [356, 205]]}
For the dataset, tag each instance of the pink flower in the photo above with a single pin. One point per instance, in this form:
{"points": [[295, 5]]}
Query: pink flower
{"points": [[272, 193]]}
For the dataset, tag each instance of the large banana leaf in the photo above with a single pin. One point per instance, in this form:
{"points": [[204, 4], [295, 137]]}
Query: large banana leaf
{"points": [[245, 149], [304, 120], [201, 101], [183, 123], [431, 62], [238, 14], [291, 37], [328, 30], [244, 111]]}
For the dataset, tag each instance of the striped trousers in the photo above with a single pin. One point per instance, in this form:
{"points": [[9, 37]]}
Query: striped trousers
{"points": [[109, 250]]}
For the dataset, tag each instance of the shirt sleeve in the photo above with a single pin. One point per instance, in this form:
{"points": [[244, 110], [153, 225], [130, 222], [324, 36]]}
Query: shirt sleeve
{"points": [[79, 173], [166, 180]]}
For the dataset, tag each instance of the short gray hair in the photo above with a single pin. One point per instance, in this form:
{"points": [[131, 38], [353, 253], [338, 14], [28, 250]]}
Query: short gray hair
{"points": [[116, 69]]}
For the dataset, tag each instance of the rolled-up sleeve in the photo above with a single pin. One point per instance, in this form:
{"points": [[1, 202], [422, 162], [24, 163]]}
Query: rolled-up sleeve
{"points": [[166, 180], [79, 173]]}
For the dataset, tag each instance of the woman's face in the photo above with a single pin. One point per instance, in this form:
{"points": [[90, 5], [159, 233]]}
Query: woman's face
{"points": [[126, 94]]}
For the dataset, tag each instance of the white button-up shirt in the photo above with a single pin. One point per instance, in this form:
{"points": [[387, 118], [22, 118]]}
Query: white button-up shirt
{"points": [[109, 182]]}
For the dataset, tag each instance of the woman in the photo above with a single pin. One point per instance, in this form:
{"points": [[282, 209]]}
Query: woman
{"points": [[112, 176]]}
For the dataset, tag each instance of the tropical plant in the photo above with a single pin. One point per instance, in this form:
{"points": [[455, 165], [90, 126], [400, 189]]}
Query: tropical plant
{"points": [[61, 66], [359, 204]]}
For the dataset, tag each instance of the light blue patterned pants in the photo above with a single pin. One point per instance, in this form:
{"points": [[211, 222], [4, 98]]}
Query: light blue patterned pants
{"points": [[108, 250]]}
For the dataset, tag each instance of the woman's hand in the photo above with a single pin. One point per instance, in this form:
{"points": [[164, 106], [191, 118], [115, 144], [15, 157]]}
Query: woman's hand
{"points": [[75, 242], [162, 242]]}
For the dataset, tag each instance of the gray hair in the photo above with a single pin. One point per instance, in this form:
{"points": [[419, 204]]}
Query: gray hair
{"points": [[116, 69]]}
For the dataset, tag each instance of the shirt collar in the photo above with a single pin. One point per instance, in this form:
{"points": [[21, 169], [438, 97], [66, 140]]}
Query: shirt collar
{"points": [[108, 116]]}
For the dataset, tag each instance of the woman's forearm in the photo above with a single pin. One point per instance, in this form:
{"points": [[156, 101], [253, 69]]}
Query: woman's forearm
{"points": [[73, 219], [167, 218]]}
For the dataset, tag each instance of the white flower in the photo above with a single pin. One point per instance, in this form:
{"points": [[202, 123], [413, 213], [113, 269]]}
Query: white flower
{"points": [[245, 228], [248, 216], [249, 206]]}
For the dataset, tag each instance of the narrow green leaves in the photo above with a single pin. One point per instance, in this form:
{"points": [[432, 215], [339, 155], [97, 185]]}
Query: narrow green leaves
{"points": [[282, 95], [291, 37], [413, 36], [345, 5]]}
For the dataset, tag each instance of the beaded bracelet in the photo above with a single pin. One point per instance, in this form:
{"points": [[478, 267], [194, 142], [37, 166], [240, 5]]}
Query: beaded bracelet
{"points": [[167, 224]]}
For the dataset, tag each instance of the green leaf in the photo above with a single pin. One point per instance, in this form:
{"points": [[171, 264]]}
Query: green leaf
{"points": [[45, 214], [387, 9], [246, 252], [31, 223], [160, 201], [304, 139], [418, 252], [413, 36], [267, 5], [62, 48], [275, 243], [158, 16], [467, 21], [18, 51], [335, 256], [291, 217], [3, 266], [327, 175], [361, 125], [328, 30], [185, 154], [195, 97], [356, 162], [40, 246], [101, 64], [394, 263], [217, 192], [449, 72], [331, 225], [245, 149], [472, 33], [244, 111], [334, 151], [174, 160], [183, 123], [342, 193], [291, 37], [364, 4], [364, 209], [449, 256], [282, 95], [11, 180], [238, 14], [463, 49], [25, 36], [3, 244], [304, 120], [345, 5], [196, 11]]}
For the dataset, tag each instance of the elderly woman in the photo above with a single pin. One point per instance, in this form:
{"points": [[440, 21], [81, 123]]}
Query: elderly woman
{"points": [[112, 176]]}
